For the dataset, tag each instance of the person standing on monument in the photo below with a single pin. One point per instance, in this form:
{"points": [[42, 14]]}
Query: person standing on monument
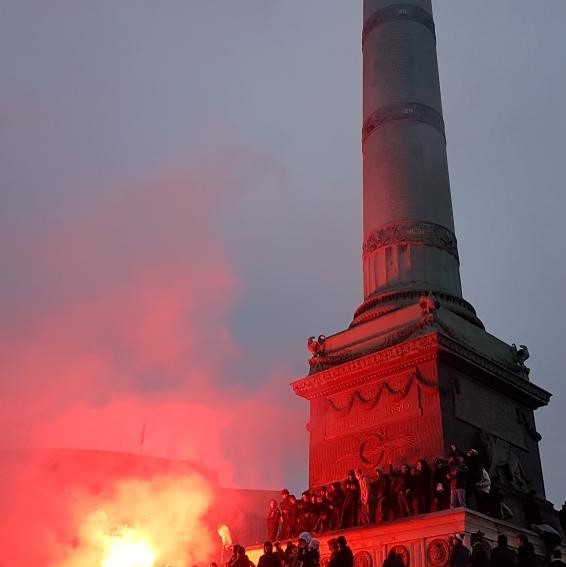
{"points": [[401, 487], [304, 512], [381, 489], [440, 485], [287, 515], [351, 499], [273, 518], [457, 473], [482, 489], [336, 503], [422, 480], [472, 461], [365, 495]]}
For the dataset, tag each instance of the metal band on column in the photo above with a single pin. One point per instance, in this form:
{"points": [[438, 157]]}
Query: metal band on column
{"points": [[407, 232], [413, 111], [395, 13]]}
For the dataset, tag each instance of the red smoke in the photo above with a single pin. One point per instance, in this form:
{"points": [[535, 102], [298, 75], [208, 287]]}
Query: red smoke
{"points": [[119, 338]]}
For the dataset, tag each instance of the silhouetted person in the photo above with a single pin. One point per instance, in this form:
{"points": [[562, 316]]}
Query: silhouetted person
{"points": [[345, 554], [473, 463], [401, 487], [525, 552], [381, 490], [293, 515], [351, 499], [304, 508], [305, 557], [273, 518], [287, 515], [322, 523], [422, 485], [279, 552], [393, 559], [482, 490], [335, 503], [242, 560], [333, 549], [440, 486], [459, 554], [365, 495], [290, 554], [481, 550], [503, 555], [269, 558], [314, 549], [457, 473]]}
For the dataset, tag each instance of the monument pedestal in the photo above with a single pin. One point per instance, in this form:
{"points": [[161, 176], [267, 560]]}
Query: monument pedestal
{"points": [[406, 393], [423, 541]]}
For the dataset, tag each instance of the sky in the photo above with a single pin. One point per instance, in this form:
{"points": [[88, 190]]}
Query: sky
{"points": [[181, 208]]}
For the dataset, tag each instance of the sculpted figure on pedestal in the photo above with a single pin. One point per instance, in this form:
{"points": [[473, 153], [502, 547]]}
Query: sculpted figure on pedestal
{"points": [[520, 356], [316, 346]]}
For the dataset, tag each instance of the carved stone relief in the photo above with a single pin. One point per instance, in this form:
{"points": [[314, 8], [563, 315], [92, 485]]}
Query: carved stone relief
{"points": [[438, 553], [362, 559]]}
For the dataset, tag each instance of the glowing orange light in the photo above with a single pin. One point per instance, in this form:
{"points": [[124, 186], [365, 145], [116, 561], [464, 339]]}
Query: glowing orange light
{"points": [[128, 551], [225, 535]]}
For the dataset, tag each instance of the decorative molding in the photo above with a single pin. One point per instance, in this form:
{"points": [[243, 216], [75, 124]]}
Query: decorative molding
{"points": [[408, 111], [320, 363], [396, 388], [357, 370], [534, 392], [438, 553], [407, 232], [398, 12], [362, 559]]}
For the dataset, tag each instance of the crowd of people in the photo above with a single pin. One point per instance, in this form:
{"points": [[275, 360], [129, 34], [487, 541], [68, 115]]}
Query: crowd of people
{"points": [[480, 553], [458, 480], [306, 553]]}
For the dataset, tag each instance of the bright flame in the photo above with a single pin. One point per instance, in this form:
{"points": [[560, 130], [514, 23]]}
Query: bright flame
{"points": [[128, 551], [225, 535]]}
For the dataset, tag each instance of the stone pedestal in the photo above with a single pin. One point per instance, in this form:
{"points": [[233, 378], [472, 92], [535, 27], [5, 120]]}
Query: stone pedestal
{"points": [[423, 541], [407, 385]]}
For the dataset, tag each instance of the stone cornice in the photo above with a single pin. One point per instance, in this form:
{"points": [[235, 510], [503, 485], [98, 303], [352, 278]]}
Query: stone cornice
{"points": [[403, 112], [537, 395], [399, 357]]}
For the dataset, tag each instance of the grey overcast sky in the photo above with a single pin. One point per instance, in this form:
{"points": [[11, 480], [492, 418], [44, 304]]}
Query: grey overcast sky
{"points": [[263, 97]]}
